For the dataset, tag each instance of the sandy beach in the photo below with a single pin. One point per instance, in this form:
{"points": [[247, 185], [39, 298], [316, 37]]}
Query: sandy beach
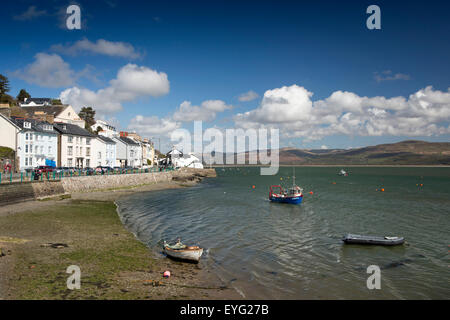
{"points": [[113, 263]]}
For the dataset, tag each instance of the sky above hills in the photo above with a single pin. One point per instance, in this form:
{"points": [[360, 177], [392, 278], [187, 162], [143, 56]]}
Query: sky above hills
{"points": [[310, 68]]}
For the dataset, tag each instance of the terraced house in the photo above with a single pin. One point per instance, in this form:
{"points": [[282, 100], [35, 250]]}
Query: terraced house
{"points": [[37, 143], [105, 149], [75, 146]]}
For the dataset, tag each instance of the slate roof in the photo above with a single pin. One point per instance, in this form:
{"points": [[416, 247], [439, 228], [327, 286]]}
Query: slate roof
{"points": [[36, 125], [129, 141], [50, 110], [38, 100], [106, 139], [73, 129]]}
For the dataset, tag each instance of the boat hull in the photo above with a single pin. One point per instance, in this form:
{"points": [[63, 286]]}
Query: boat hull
{"points": [[184, 254], [369, 240], [290, 200]]}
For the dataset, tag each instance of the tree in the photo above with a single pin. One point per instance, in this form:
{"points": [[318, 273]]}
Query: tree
{"points": [[88, 115], [4, 85], [23, 94], [56, 102]]}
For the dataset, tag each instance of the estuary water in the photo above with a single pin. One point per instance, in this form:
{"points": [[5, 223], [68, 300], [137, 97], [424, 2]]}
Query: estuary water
{"points": [[267, 250]]}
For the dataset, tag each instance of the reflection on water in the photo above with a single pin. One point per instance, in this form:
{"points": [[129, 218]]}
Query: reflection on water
{"points": [[281, 251]]}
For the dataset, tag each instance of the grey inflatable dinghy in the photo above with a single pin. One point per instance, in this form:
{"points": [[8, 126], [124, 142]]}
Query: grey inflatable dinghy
{"points": [[384, 241]]}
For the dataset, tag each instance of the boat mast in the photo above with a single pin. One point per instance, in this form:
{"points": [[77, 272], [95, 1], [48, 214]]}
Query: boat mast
{"points": [[293, 178]]}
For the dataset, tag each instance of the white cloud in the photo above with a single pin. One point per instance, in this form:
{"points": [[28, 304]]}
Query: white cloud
{"points": [[281, 105], [324, 147], [248, 96], [48, 70], [153, 126], [30, 14], [101, 46], [205, 112], [132, 82], [424, 113]]}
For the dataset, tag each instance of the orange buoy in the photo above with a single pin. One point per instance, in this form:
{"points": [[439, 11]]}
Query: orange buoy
{"points": [[382, 189], [253, 187], [333, 182], [421, 184], [311, 192]]}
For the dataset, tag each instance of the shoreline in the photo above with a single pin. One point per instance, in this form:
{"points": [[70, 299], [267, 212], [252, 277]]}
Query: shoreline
{"points": [[114, 263]]}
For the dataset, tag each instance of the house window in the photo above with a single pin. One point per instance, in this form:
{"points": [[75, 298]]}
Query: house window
{"points": [[27, 125], [69, 162], [36, 149], [81, 151], [42, 149], [88, 163], [88, 141], [31, 161], [78, 151], [69, 139], [70, 150], [99, 155], [49, 149], [88, 151], [26, 148], [26, 161]]}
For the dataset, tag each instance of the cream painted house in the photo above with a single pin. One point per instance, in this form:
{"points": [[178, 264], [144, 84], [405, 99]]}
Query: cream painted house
{"points": [[60, 113], [76, 147], [8, 133]]}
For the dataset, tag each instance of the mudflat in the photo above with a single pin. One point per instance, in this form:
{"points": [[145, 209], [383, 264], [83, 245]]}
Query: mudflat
{"points": [[41, 239]]}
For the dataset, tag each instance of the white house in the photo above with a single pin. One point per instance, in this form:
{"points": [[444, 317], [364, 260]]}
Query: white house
{"points": [[105, 151], [37, 143], [75, 146], [36, 102], [187, 160], [8, 133], [128, 152], [106, 129]]}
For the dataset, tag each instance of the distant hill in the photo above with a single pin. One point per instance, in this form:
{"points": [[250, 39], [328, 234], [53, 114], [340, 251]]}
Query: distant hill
{"points": [[410, 152]]}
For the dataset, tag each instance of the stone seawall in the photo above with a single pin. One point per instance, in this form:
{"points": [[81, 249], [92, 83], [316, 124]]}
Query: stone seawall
{"points": [[17, 192]]}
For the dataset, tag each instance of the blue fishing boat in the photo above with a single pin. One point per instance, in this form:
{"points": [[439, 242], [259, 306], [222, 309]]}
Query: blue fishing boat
{"points": [[293, 195]]}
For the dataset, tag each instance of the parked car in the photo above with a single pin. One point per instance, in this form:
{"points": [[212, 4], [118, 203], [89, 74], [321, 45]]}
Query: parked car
{"points": [[103, 169], [88, 171], [59, 170], [44, 169]]}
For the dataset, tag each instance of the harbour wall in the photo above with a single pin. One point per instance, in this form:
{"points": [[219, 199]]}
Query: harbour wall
{"points": [[23, 191]]}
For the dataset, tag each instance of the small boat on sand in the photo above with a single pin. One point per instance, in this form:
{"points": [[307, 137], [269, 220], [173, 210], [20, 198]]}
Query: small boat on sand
{"points": [[384, 241], [183, 252], [343, 173]]}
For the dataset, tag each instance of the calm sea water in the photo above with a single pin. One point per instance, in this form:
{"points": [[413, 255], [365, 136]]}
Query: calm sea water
{"points": [[280, 251]]}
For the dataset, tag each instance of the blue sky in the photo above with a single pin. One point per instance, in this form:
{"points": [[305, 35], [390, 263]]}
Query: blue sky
{"points": [[219, 50]]}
